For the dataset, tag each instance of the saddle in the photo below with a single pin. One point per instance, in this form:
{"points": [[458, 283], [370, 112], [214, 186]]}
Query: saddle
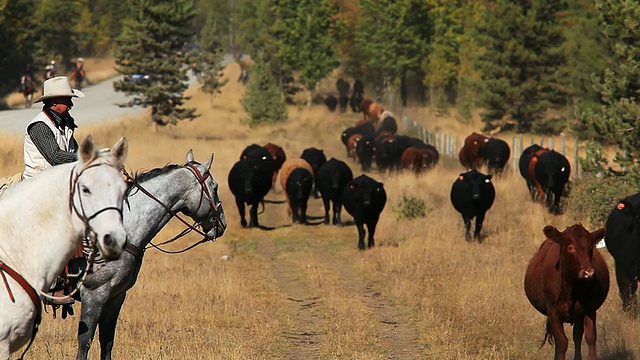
{"points": [[65, 283]]}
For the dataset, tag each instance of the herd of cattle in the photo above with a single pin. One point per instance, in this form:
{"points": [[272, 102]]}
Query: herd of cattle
{"points": [[567, 279]]}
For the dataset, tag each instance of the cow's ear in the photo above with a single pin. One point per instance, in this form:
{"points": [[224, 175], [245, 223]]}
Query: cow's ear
{"points": [[489, 176], [352, 186], [552, 233], [597, 235], [461, 177]]}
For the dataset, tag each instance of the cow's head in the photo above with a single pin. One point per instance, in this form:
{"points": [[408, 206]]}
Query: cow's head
{"points": [[476, 182], [576, 249]]}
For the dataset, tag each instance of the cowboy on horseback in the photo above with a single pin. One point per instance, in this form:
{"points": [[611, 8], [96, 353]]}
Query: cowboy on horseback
{"points": [[78, 73], [28, 85]]}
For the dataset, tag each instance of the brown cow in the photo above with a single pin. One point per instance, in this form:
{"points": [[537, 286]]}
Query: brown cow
{"points": [[531, 169], [351, 145], [279, 156], [364, 107], [374, 112], [568, 280], [471, 155], [417, 159], [287, 167]]}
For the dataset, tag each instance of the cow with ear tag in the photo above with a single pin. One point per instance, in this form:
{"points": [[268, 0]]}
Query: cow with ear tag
{"points": [[472, 194], [364, 198]]}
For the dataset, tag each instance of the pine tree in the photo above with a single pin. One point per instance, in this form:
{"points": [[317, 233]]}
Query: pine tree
{"points": [[16, 41], [304, 40], [521, 55], [263, 100], [393, 38], [150, 44], [618, 119]]}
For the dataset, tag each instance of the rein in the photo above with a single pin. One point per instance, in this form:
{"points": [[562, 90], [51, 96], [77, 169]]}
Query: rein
{"points": [[89, 234], [190, 227]]}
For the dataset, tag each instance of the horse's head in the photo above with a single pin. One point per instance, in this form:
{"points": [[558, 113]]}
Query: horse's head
{"points": [[203, 203], [97, 192]]}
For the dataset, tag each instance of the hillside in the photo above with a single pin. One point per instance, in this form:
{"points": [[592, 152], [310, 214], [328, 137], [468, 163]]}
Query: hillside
{"points": [[306, 292]]}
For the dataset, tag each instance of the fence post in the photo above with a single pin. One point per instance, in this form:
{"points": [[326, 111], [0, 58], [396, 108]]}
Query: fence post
{"points": [[576, 161], [541, 142], [564, 143], [551, 143], [514, 146]]}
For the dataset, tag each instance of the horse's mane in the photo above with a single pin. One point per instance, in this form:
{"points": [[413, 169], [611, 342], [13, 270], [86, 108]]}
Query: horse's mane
{"points": [[142, 176]]}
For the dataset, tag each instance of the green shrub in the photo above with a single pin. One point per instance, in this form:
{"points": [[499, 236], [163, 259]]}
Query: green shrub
{"points": [[263, 100], [550, 126], [409, 208], [593, 197]]}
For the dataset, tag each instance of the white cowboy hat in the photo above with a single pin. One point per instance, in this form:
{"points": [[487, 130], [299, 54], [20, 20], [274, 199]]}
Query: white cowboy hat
{"points": [[58, 86]]}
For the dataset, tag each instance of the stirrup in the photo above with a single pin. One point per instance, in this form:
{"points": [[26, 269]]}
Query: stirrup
{"points": [[59, 301]]}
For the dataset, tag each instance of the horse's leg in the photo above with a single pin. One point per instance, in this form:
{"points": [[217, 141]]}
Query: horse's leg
{"points": [[4, 349], [108, 325], [92, 307]]}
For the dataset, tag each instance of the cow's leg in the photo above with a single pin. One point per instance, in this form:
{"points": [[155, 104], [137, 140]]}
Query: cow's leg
{"points": [[303, 212], [107, 325], [479, 221], [337, 210], [253, 215], [560, 338], [361, 233], [326, 203], [294, 211], [240, 205], [371, 226], [467, 226], [590, 334], [626, 286], [578, 332]]}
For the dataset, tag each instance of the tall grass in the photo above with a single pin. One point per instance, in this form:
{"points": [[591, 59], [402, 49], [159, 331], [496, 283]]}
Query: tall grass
{"points": [[306, 291]]}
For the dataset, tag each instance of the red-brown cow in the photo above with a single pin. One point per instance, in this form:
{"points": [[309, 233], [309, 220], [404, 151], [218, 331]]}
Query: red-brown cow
{"points": [[351, 145], [417, 160], [364, 107], [531, 169], [568, 280], [374, 112], [279, 156], [471, 155]]}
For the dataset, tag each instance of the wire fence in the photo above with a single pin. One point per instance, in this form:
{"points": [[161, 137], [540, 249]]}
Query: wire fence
{"points": [[449, 145]]}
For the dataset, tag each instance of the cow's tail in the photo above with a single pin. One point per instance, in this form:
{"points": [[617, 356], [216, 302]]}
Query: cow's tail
{"points": [[548, 336]]}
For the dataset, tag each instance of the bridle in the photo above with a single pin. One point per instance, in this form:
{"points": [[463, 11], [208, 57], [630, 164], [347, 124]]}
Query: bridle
{"points": [[89, 235], [204, 192]]}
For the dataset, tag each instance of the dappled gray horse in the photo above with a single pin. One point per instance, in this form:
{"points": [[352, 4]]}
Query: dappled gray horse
{"points": [[153, 198]]}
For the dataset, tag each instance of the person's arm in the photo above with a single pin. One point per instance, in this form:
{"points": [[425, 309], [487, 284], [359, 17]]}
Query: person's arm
{"points": [[45, 141]]}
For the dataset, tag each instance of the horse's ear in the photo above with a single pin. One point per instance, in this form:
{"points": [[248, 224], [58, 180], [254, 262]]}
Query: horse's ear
{"points": [[207, 164], [119, 150], [189, 157], [87, 151]]}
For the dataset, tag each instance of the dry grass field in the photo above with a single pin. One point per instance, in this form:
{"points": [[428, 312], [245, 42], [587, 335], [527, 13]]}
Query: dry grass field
{"points": [[306, 292]]}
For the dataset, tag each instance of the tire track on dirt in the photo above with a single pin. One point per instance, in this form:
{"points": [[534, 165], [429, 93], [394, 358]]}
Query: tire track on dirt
{"points": [[305, 333], [399, 337]]}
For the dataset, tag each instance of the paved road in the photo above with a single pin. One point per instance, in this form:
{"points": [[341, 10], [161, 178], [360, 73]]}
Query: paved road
{"points": [[99, 105]]}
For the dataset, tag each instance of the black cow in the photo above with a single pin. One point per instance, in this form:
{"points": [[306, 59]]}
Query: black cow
{"points": [[472, 194], [343, 101], [366, 150], [331, 102], [364, 198], [623, 243], [405, 142], [552, 173], [255, 152], [315, 158], [357, 96], [330, 180], [388, 153], [523, 165], [388, 124], [496, 154], [299, 185], [250, 181]]}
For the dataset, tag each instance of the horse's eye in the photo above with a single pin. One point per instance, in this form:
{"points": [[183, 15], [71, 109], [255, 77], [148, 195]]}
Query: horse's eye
{"points": [[85, 190]]}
